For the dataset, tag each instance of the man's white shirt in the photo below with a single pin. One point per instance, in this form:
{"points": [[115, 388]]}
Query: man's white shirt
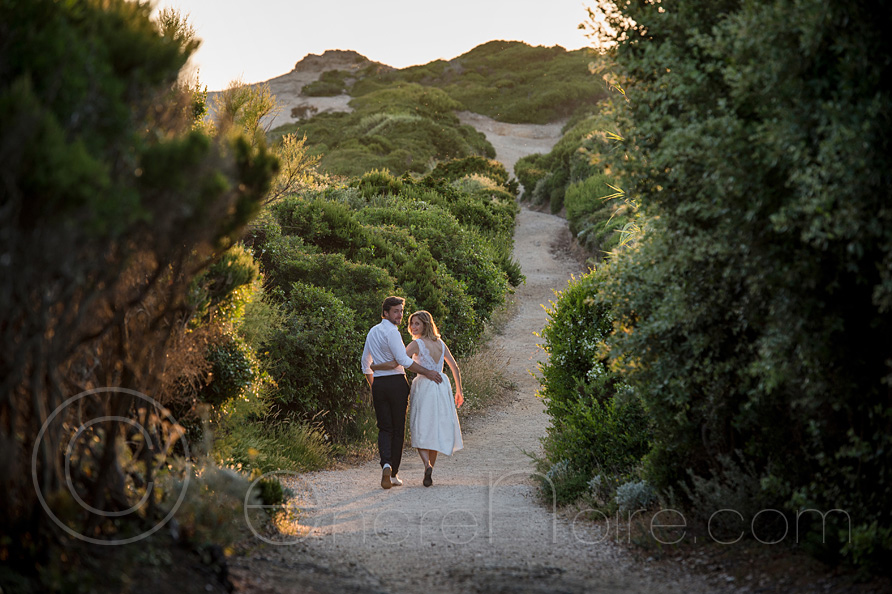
{"points": [[384, 343]]}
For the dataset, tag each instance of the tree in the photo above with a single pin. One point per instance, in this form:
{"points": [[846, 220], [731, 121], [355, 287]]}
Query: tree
{"points": [[113, 200]]}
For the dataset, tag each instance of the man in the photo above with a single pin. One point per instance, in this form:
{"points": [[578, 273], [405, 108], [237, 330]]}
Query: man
{"points": [[390, 388]]}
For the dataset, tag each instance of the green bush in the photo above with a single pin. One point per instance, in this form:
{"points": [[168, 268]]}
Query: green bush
{"points": [[330, 83], [597, 432], [467, 256], [314, 358], [220, 290], [451, 222], [426, 102], [400, 128], [271, 491], [575, 157], [598, 426], [506, 80], [371, 258], [234, 370], [459, 168], [584, 198], [757, 305]]}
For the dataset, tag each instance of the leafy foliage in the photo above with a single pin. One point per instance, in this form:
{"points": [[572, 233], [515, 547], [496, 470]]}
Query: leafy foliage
{"points": [[400, 129], [115, 199], [598, 427], [509, 81], [757, 305], [346, 249]]}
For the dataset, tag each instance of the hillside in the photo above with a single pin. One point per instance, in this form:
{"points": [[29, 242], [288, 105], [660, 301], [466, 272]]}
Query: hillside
{"points": [[360, 115]]}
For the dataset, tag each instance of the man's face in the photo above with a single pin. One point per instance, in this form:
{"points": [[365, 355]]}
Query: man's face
{"points": [[394, 314]]}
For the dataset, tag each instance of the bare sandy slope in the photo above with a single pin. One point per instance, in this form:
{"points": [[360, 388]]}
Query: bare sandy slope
{"points": [[513, 141], [287, 89]]}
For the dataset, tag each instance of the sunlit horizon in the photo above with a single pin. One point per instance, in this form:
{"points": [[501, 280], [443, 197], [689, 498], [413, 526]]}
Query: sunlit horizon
{"points": [[263, 39]]}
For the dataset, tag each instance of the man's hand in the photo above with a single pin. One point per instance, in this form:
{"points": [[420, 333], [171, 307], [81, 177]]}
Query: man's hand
{"points": [[368, 398], [433, 375]]}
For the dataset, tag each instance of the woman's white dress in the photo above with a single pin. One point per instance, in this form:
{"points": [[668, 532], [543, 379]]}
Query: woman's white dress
{"points": [[433, 419]]}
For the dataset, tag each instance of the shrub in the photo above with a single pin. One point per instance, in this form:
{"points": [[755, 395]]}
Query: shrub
{"points": [[268, 444], [597, 424], [313, 359], [401, 128], [507, 80], [757, 305], [234, 371], [459, 168], [597, 433], [529, 171], [584, 198], [330, 83], [635, 495], [212, 504], [465, 255], [371, 261]]}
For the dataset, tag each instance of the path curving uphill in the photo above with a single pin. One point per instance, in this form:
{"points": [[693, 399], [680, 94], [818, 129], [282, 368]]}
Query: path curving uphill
{"points": [[481, 527]]}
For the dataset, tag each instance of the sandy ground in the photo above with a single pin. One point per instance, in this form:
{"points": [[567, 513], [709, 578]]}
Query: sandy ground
{"points": [[287, 89], [513, 141]]}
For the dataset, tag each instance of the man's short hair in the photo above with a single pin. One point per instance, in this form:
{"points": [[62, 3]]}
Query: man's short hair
{"points": [[391, 302]]}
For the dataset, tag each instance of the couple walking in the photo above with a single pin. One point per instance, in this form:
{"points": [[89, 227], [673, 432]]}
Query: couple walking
{"points": [[433, 420]]}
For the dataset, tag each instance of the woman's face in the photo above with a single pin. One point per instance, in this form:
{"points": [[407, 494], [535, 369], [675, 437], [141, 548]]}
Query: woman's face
{"points": [[416, 328]]}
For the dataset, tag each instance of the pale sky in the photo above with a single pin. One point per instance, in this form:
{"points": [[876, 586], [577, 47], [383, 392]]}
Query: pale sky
{"points": [[256, 40]]}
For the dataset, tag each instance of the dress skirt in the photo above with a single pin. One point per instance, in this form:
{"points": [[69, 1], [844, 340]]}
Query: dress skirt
{"points": [[433, 419]]}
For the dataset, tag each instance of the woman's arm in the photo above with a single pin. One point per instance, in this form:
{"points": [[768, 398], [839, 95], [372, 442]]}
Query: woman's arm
{"points": [[456, 373]]}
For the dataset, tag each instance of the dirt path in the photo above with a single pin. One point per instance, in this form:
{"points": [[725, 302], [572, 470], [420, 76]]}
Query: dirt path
{"points": [[513, 141], [481, 527]]}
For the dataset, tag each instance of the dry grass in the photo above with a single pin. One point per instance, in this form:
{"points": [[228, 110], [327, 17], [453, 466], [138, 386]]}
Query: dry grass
{"points": [[484, 380], [484, 376]]}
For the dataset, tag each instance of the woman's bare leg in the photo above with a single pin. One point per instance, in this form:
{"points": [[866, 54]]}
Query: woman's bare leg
{"points": [[425, 457], [432, 454]]}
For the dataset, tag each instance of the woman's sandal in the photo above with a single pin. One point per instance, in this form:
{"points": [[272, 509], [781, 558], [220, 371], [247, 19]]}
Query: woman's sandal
{"points": [[428, 481]]}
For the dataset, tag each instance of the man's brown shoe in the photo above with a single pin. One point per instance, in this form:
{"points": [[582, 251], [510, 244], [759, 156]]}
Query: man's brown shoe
{"points": [[385, 478]]}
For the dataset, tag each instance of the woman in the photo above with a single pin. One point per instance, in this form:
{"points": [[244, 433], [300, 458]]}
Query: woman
{"points": [[433, 419]]}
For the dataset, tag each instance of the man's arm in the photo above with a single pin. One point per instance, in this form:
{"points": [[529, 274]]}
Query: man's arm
{"points": [[399, 353], [430, 374], [366, 359]]}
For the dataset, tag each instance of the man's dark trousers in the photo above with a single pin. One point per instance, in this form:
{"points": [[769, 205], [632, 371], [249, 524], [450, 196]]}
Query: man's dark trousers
{"points": [[390, 395]]}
